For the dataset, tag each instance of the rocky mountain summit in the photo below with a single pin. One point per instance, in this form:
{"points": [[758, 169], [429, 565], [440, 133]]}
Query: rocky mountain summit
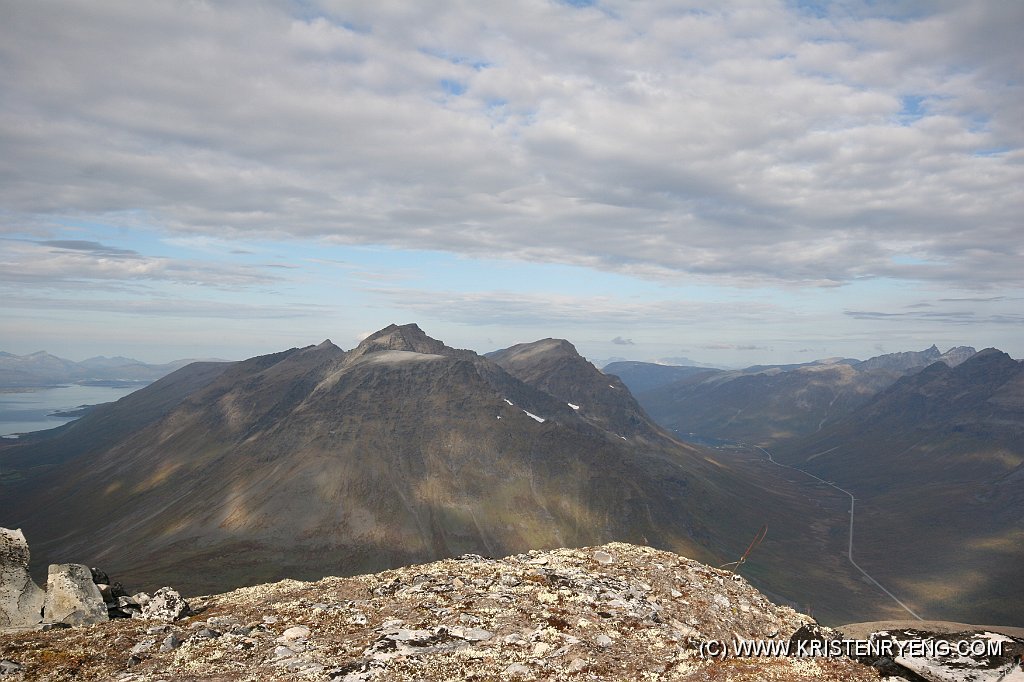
{"points": [[612, 612]]}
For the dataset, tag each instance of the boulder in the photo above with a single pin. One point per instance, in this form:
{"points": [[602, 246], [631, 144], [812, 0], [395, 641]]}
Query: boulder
{"points": [[165, 604], [942, 655], [21, 600], [72, 597]]}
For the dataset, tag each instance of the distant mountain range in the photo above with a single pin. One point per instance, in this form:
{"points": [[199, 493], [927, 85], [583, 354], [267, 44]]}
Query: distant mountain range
{"points": [[936, 461], [768, 403], [43, 369], [930, 444], [319, 461]]}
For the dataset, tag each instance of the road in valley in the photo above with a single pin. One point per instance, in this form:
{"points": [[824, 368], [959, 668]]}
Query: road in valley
{"points": [[849, 553]]}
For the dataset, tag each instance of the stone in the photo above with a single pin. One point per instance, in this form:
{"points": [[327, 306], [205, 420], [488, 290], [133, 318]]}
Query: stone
{"points": [[814, 632], [145, 646], [165, 604], [46, 627], [576, 665], [517, 670], [21, 600], [298, 632], [124, 607], [977, 662], [72, 597], [602, 557], [206, 633], [509, 580], [9, 668], [99, 577], [471, 634]]}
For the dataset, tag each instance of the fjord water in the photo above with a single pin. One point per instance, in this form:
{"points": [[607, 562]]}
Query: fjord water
{"points": [[24, 411]]}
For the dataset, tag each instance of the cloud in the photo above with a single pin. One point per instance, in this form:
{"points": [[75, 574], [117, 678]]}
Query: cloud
{"points": [[544, 309], [619, 341], [958, 317], [732, 346], [168, 307], [740, 145], [88, 246], [79, 265]]}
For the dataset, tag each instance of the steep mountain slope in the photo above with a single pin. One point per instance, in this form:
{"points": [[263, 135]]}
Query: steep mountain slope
{"points": [[937, 415], [107, 424], [643, 376], [936, 462], [771, 404], [315, 460], [555, 367]]}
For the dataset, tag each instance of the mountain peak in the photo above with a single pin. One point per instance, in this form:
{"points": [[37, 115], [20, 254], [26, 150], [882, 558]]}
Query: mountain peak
{"points": [[407, 337], [956, 355], [989, 358], [553, 348]]}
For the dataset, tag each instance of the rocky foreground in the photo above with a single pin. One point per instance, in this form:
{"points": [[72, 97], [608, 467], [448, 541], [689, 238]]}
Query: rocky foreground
{"points": [[615, 612]]}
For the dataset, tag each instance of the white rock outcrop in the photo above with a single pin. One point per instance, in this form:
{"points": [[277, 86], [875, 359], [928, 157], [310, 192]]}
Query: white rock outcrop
{"points": [[21, 600], [72, 598]]}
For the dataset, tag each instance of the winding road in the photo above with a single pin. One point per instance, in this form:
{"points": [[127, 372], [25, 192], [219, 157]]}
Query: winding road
{"points": [[849, 553]]}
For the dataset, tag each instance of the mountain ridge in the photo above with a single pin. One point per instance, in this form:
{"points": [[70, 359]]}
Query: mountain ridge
{"points": [[275, 451], [42, 369]]}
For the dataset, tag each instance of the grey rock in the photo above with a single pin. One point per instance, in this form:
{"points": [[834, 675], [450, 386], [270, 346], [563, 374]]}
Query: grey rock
{"points": [[576, 665], [143, 647], [976, 663], [471, 634], [603, 641], [509, 580], [813, 632], [72, 597], [165, 604], [46, 627], [206, 633], [105, 592], [21, 600], [602, 557], [283, 652], [9, 668], [517, 670], [170, 643], [411, 636]]}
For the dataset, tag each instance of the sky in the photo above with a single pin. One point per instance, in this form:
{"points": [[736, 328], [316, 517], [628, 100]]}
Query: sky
{"points": [[731, 182]]}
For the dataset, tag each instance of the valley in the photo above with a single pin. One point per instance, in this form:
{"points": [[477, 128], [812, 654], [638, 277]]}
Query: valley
{"points": [[933, 460]]}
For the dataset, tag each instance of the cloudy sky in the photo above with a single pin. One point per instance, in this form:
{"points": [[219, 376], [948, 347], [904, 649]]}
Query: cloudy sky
{"points": [[734, 182]]}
